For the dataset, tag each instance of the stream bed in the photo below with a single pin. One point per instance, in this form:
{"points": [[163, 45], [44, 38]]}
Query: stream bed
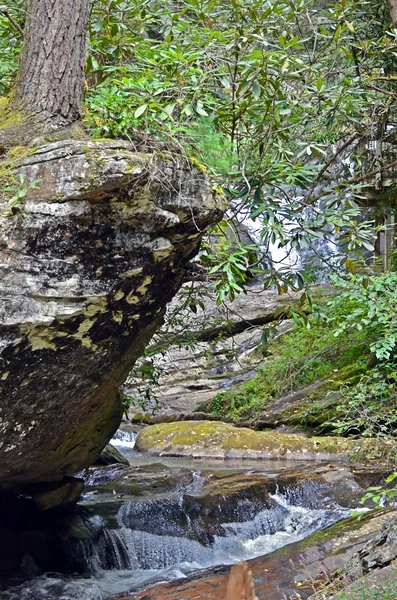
{"points": [[162, 519]]}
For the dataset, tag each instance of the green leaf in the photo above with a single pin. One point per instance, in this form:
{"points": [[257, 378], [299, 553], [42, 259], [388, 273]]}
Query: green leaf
{"points": [[169, 109], [200, 111], [98, 25], [140, 110], [256, 89]]}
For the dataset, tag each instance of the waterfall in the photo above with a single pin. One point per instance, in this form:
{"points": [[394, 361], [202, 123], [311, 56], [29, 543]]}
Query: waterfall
{"points": [[124, 439], [111, 551], [168, 537], [128, 547]]}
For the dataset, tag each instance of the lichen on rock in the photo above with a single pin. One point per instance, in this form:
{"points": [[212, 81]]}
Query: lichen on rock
{"points": [[89, 258]]}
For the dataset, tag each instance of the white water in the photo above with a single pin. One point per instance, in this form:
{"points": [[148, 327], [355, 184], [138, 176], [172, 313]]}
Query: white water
{"points": [[124, 439], [125, 559], [268, 530]]}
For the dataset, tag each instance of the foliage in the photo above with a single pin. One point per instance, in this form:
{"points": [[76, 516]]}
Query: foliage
{"points": [[381, 495], [369, 407], [379, 584], [231, 262], [277, 97], [371, 304], [370, 307], [10, 43], [294, 360], [20, 188], [143, 379]]}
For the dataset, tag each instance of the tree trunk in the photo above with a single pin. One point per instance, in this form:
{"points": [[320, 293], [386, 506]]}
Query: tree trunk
{"points": [[51, 74], [393, 11]]}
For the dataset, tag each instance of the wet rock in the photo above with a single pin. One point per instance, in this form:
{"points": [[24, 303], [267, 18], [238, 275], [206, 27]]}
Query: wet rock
{"points": [[88, 261], [29, 567], [111, 456], [380, 584], [36, 537], [146, 480], [369, 564], [222, 440], [173, 501], [310, 405], [160, 500], [294, 569], [48, 495]]}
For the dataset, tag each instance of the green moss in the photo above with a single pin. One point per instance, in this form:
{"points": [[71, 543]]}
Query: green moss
{"points": [[3, 105], [10, 118], [199, 165], [218, 191], [218, 436], [9, 166], [166, 156]]}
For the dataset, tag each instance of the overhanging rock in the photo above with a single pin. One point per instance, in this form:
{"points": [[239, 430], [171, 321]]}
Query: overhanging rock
{"points": [[89, 259]]}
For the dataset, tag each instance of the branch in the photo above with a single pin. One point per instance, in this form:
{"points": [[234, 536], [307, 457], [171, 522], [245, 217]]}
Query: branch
{"points": [[325, 168], [378, 89], [372, 173], [4, 11]]}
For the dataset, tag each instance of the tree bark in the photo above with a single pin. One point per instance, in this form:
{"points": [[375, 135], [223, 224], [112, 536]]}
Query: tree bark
{"points": [[393, 11], [51, 73]]}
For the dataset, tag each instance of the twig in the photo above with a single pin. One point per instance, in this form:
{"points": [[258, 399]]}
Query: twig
{"points": [[16, 26]]}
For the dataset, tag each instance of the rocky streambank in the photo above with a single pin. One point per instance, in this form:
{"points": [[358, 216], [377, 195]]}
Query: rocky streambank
{"points": [[224, 348]]}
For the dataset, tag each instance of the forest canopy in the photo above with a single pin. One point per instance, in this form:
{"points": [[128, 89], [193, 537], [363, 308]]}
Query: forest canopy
{"points": [[290, 106]]}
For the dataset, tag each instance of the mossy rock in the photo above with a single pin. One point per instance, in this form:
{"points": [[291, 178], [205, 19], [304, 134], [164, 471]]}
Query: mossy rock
{"points": [[222, 440], [58, 493], [111, 456]]}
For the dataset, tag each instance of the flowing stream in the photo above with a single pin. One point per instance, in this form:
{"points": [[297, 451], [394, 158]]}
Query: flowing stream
{"points": [[157, 539]]}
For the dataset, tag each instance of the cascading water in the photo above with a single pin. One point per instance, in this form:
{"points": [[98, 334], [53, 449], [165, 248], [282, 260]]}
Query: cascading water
{"points": [[268, 530], [169, 536], [125, 439], [280, 255]]}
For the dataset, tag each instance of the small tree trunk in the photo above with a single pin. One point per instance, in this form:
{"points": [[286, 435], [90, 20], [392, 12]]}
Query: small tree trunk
{"points": [[51, 73], [393, 11]]}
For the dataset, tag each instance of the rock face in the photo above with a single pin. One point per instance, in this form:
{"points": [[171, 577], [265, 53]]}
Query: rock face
{"points": [[89, 258], [225, 350], [201, 439]]}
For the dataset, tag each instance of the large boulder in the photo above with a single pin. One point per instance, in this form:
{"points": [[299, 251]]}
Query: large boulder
{"points": [[213, 439], [91, 251]]}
